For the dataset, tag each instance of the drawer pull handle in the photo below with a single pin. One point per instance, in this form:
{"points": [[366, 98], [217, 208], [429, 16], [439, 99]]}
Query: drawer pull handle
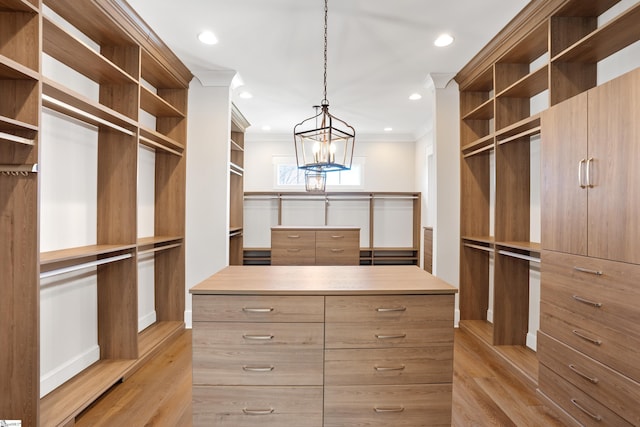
{"points": [[257, 310], [337, 250], [386, 310], [257, 411], [337, 237], [586, 338], [588, 271], [258, 368], [389, 368], [592, 380], [293, 236], [390, 337], [293, 249], [382, 409], [586, 301], [258, 337], [589, 413]]}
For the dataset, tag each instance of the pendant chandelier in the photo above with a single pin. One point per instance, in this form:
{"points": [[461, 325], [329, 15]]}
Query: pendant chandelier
{"points": [[323, 142]]}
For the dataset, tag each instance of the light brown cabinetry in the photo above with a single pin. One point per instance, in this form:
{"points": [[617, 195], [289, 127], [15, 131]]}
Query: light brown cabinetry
{"points": [[236, 185], [322, 346], [315, 246], [589, 333]]}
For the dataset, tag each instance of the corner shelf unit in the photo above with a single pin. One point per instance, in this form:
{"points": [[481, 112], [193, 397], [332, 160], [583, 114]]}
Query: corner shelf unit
{"points": [[548, 52], [134, 73], [236, 185], [370, 255]]}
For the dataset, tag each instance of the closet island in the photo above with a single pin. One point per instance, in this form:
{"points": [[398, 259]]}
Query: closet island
{"points": [[322, 346]]}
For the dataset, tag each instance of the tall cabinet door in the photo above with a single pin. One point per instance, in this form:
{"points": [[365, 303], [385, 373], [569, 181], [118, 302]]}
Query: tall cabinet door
{"points": [[564, 196], [614, 169]]}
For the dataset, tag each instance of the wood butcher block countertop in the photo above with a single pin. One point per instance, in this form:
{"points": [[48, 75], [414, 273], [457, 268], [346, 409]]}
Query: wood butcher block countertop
{"points": [[322, 280]]}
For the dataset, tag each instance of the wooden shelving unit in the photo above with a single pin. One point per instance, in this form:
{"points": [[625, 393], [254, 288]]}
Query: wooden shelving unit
{"points": [[551, 47], [373, 254], [236, 185], [134, 72]]}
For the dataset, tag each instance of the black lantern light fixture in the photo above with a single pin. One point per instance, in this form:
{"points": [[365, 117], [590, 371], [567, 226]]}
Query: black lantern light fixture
{"points": [[323, 142]]}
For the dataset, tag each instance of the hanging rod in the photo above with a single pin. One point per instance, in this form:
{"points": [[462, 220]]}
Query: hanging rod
{"points": [[18, 170], [261, 197], [159, 248], [482, 248], [84, 266], [396, 197], [520, 256], [91, 117], [14, 138]]}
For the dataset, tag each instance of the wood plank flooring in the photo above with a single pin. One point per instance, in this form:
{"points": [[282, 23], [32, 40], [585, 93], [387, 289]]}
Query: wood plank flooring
{"points": [[159, 394]]}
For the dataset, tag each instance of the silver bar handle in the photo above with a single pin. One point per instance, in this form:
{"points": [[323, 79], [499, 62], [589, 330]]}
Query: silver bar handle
{"points": [[580, 175], [589, 413], [586, 301], [588, 271], [293, 249], [389, 368], [337, 250], [257, 310], [258, 368], [587, 338], [386, 310], [258, 337], [293, 236], [389, 337], [337, 237], [247, 411], [382, 409], [592, 380], [589, 184]]}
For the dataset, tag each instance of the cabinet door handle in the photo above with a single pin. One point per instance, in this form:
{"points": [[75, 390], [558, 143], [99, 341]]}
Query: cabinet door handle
{"points": [[586, 338], [258, 337], [589, 413], [588, 271], [389, 368], [257, 310], [586, 301], [592, 380], [337, 250], [390, 337], [580, 174], [337, 237], [293, 236], [386, 310], [381, 409], [248, 411], [293, 249], [589, 184], [258, 368]]}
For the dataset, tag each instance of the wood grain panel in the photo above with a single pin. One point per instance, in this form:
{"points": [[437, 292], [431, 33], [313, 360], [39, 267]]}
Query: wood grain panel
{"points": [[511, 306], [263, 336], [257, 406], [398, 406], [256, 308], [387, 334], [389, 308]]}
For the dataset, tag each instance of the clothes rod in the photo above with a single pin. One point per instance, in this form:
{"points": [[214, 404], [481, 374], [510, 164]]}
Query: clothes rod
{"points": [[159, 248], [83, 266], [517, 255], [15, 170], [93, 119], [14, 138], [482, 248]]}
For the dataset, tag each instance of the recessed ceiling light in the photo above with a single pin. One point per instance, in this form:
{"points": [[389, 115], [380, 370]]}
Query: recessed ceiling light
{"points": [[443, 40], [266, 127], [388, 129], [207, 37], [415, 96], [246, 95]]}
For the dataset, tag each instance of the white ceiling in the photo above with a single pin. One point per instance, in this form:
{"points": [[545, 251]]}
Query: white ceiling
{"points": [[380, 52]]}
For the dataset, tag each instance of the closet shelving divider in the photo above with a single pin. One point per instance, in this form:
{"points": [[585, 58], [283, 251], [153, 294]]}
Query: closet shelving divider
{"points": [[550, 46], [236, 185]]}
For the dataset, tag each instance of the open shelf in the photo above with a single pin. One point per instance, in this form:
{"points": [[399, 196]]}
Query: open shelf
{"points": [[479, 146], [154, 139], [153, 244], [154, 104], [482, 112], [12, 70], [79, 253], [16, 131], [529, 85], [526, 127], [17, 6]]}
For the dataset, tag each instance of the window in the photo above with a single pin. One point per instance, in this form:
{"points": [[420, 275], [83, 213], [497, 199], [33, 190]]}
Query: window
{"points": [[289, 177]]}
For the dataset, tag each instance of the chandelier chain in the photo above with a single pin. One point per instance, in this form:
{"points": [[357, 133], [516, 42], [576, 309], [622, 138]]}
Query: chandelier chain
{"points": [[326, 20]]}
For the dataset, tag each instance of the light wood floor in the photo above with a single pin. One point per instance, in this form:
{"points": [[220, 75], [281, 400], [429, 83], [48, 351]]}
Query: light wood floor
{"points": [[159, 394]]}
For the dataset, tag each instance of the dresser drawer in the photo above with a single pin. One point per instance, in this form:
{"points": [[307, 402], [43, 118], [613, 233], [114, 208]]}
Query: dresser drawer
{"points": [[432, 364], [254, 336], [605, 291], [257, 406], [617, 392], [611, 347], [337, 247], [578, 404], [293, 238], [387, 334], [384, 406], [249, 308], [389, 308], [225, 366]]}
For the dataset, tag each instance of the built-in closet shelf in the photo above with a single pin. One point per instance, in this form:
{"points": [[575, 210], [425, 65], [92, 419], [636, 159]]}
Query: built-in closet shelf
{"points": [[528, 251], [527, 127], [155, 139], [63, 404], [59, 98], [10, 69], [81, 253], [586, 8], [147, 245], [606, 40], [489, 240], [12, 130], [18, 6], [528, 86], [235, 146], [75, 53], [156, 105], [524, 246], [479, 146], [527, 50], [484, 111], [234, 230], [236, 169]]}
